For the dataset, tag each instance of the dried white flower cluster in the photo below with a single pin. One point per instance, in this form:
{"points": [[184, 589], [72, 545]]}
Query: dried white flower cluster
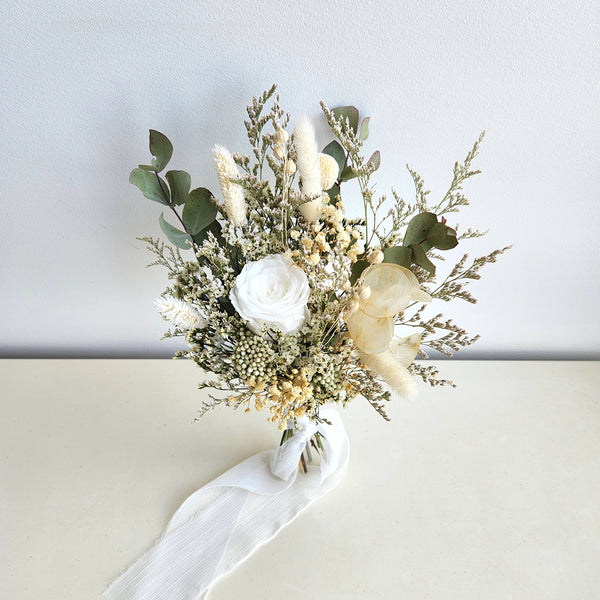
{"points": [[290, 303], [182, 315]]}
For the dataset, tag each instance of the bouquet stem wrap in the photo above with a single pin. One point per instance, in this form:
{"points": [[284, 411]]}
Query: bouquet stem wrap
{"points": [[224, 522]]}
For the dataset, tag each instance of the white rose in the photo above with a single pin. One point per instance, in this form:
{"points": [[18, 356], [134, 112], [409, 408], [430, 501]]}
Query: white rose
{"points": [[272, 291]]}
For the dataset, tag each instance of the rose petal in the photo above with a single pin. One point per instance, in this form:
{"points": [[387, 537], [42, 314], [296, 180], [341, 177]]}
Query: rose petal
{"points": [[272, 291]]}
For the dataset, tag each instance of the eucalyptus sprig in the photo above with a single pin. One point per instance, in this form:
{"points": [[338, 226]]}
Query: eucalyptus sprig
{"points": [[199, 212]]}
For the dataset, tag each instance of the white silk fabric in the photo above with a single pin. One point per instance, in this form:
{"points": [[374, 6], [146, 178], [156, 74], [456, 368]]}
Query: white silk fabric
{"points": [[224, 522]]}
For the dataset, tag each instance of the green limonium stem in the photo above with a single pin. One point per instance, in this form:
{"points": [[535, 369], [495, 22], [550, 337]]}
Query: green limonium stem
{"points": [[285, 196], [365, 192], [330, 328]]}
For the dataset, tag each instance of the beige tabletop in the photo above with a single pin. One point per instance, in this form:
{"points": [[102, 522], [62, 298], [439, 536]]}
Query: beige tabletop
{"points": [[487, 491]]}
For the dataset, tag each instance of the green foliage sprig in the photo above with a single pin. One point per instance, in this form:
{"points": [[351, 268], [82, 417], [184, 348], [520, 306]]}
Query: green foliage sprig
{"points": [[199, 214]]}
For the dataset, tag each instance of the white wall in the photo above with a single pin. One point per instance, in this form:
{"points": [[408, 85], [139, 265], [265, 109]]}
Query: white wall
{"points": [[83, 81]]}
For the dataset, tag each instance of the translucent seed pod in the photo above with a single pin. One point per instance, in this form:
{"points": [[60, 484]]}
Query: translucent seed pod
{"points": [[390, 290], [393, 288], [364, 292], [370, 334], [405, 349]]}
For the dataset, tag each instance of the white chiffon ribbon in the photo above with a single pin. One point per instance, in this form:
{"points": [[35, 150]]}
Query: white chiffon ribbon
{"points": [[224, 522]]}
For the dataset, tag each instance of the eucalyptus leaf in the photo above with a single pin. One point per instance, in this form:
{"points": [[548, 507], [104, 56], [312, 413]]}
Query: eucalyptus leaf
{"points": [[151, 185], [357, 268], [347, 112], [199, 211], [364, 129], [225, 302], [180, 238], [214, 228], [420, 258], [375, 160], [442, 237], [335, 149], [418, 228], [399, 255], [161, 148], [236, 256], [334, 192], [179, 182], [347, 174]]}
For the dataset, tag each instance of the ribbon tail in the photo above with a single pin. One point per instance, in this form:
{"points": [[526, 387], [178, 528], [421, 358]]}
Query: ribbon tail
{"points": [[224, 522]]}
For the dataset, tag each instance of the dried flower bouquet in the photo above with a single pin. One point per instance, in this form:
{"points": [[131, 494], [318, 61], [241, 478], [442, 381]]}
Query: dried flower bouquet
{"points": [[286, 300]]}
